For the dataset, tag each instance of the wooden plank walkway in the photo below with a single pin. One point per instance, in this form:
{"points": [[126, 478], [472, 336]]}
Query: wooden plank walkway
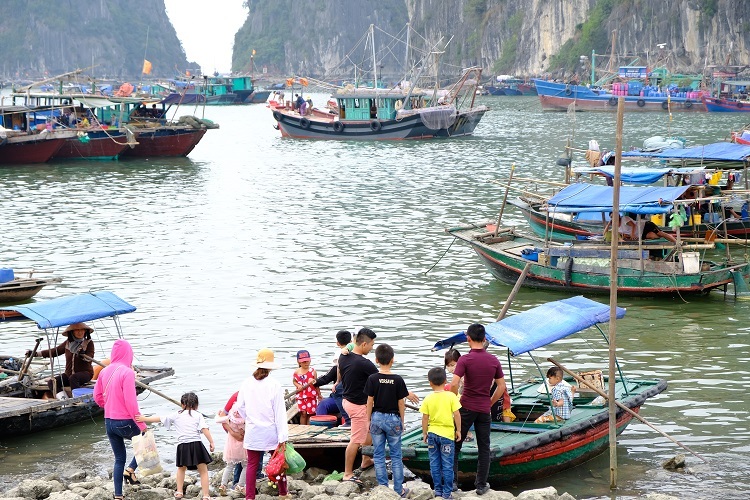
{"points": [[10, 407], [314, 436]]}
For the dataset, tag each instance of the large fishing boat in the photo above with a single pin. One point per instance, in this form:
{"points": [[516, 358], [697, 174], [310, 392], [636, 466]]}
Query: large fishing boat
{"points": [[23, 409]]}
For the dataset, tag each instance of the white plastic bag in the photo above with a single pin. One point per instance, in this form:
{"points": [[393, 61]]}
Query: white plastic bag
{"points": [[146, 454]]}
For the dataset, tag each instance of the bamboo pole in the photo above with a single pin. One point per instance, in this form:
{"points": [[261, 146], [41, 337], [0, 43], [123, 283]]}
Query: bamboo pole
{"points": [[147, 387], [513, 292], [622, 406], [527, 179], [27, 362], [613, 294], [505, 199]]}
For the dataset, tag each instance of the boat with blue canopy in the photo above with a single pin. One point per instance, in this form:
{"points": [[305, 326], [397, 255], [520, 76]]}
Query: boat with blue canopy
{"points": [[645, 267], [523, 450], [25, 405]]}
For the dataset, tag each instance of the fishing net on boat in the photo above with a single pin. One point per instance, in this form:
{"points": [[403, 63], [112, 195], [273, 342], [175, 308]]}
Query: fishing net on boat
{"points": [[438, 117]]}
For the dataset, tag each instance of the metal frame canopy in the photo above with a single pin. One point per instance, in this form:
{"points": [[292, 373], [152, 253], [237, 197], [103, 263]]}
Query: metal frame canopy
{"points": [[68, 310], [540, 326], [595, 198]]}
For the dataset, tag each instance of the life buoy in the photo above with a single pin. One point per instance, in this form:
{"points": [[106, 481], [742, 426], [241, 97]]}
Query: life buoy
{"points": [[612, 101], [568, 91], [739, 104], [665, 105], [641, 103], [688, 104], [277, 116], [304, 123], [374, 125], [338, 127], [399, 104]]}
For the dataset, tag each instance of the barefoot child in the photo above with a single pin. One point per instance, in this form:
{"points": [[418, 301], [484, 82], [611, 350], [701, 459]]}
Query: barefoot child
{"points": [[386, 392], [191, 454], [304, 377], [441, 428]]}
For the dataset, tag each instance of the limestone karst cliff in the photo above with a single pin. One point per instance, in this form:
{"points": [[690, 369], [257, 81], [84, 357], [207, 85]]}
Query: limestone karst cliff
{"points": [[503, 36]]}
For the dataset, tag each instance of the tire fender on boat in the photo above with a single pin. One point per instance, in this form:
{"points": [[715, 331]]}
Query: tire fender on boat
{"points": [[641, 103], [304, 123], [374, 125], [569, 271], [568, 90], [338, 127], [739, 104], [665, 105], [612, 101], [277, 116], [688, 104]]}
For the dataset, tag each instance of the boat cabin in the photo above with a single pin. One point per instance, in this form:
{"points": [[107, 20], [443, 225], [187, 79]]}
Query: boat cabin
{"points": [[375, 104]]}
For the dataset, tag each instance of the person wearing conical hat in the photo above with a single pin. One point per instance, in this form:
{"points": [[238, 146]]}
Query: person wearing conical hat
{"points": [[78, 370]]}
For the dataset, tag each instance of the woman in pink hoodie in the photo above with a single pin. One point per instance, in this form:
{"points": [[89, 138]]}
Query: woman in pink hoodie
{"points": [[115, 392]]}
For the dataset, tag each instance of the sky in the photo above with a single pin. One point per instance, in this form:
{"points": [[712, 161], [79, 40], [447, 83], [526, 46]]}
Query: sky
{"points": [[206, 30]]}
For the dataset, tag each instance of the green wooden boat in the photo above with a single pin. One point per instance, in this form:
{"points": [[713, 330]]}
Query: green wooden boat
{"points": [[523, 450], [585, 266]]}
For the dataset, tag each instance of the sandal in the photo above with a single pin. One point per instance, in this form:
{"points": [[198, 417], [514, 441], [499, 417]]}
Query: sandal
{"points": [[355, 480], [358, 471], [129, 476], [177, 494], [240, 489], [223, 490]]}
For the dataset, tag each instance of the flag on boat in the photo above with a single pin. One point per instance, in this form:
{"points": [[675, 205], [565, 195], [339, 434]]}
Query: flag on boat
{"points": [[146, 67]]}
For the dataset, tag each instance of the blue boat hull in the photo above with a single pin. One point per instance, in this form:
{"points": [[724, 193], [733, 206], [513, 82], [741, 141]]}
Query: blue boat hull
{"points": [[715, 105]]}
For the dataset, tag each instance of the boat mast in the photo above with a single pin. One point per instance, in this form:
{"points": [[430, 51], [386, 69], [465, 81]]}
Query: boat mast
{"points": [[374, 62], [408, 45]]}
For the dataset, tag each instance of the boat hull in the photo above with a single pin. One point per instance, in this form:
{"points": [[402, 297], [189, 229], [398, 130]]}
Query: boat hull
{"points": [[504, 259], [20, 289], [38, 150], [164, 142], [410, 127], [524, 451], [715, 105], [558, 97], [101, 146]]}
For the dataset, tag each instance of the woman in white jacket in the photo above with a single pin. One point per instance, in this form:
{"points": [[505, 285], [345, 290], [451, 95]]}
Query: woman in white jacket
{"points": [[261, 402]]}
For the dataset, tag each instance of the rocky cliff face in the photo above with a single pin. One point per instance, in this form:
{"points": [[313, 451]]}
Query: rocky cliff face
{"points": [[503, 36], [39, 37]]}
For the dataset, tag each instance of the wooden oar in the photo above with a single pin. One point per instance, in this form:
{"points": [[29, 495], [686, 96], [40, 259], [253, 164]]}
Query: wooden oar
{"points": [[292, 394], [147, 387], [622, 406], [27, 362]]}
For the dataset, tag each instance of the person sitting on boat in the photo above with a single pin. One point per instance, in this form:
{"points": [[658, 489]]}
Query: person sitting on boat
{"points": [[78, 371], [629, 229], [562, 397], [84, 123]]}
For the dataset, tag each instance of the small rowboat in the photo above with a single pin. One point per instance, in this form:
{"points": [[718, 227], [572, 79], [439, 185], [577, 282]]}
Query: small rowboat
{"points": [[23, 288]]}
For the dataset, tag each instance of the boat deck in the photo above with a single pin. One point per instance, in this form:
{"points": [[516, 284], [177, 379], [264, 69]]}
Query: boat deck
{"points": [[320, 446]]}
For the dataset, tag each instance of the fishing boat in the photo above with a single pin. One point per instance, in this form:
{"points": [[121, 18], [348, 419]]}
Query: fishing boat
{"points": [[731, 96], [15, 289], [742, 137], [389, 114], [645, 267], [555, 96], [23, 410], [523, 450], [21, 142]]}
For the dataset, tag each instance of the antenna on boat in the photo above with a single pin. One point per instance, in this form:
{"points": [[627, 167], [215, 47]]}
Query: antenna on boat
{"points": [[374, 61], [145, 49]]}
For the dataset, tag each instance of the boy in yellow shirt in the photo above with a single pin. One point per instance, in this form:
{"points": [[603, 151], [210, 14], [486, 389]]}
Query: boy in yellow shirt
{"points": [[441, 428]]}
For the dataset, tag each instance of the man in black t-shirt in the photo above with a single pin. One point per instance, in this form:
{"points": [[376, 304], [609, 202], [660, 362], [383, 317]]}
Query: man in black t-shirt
{"points": [[386, 393], [354, 370]]}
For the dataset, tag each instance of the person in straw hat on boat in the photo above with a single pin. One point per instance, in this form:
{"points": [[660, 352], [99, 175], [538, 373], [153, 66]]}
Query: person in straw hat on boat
{"points": [[78, 371], [261, 403]]}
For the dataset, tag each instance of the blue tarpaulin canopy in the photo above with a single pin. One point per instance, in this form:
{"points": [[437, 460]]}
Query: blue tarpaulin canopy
{"points": [[718, 151], [639, 175], [74, 309], [595, 198], [541, 325]]}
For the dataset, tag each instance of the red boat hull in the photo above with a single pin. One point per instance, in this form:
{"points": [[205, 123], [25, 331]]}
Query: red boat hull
{"points": [[165, 142], [104, 148], [36, 151]]}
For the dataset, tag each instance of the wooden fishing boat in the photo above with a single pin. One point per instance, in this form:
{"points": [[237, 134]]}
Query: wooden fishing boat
{"points": [[21, 288], [523, 450], [23, 409], [559, 96], [374, 114], [19, 144]]}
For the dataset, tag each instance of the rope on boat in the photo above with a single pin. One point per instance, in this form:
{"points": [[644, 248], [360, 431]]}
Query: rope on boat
{"points": [[441, 257]]}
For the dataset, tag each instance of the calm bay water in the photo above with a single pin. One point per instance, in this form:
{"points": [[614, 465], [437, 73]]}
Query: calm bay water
{"points": [[256, 241]]}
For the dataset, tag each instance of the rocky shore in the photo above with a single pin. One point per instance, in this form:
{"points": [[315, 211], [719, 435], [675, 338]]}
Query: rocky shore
{"points": [[76, 483]]}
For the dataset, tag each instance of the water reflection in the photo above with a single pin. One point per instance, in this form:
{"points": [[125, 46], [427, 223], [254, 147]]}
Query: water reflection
{"points": [[257, 241]]}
